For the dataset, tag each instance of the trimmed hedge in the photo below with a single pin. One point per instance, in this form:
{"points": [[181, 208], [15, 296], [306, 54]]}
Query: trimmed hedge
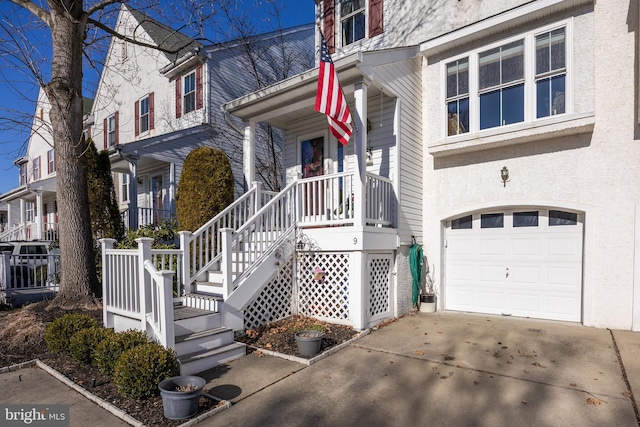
{"points": [[110, 349], [58, 333], [83, 344], [139, 370]]}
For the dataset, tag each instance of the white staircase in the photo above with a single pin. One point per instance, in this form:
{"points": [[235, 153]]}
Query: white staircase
{"points": [[201, 341]]}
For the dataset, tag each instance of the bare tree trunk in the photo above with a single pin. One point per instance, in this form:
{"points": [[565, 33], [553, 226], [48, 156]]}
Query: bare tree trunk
{"points": [[77, 270]]}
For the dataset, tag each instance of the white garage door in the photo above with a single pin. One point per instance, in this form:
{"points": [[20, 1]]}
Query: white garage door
{"points": [[525, 262]]}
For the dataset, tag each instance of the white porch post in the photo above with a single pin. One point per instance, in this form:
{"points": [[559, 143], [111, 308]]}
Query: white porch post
{"points": [[22, 211], [360, 140], [38, 215], [10, 219], [133, 195], [172, 187], [144, 279], [358, 289], [185, 238], [227, 262], [249, 154], [107, 319]]}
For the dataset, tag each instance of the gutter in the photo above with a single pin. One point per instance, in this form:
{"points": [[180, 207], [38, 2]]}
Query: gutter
{"points": [[227, 118]]}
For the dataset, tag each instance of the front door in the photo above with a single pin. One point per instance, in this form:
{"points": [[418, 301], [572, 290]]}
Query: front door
{"points": [[157, 198]]}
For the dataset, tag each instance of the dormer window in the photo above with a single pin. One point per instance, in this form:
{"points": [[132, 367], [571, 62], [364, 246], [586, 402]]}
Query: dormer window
{"points": [[189, 92], [189, 97], [352, 21], [22, 170]]}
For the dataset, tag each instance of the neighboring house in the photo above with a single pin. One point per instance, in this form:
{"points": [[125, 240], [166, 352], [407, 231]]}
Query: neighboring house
{"points": [[501, 136], [153, 107], [30, 209]]}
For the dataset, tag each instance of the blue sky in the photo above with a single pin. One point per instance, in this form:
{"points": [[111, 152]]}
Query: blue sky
{"points": [[18, 89]]}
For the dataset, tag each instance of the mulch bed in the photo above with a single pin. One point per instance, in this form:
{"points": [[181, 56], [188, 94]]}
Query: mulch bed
{"points": [[21, 340], [279, 336]]}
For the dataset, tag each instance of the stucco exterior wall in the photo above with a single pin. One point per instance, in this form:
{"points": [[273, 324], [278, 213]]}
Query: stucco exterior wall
{"points": [[596, 173]]}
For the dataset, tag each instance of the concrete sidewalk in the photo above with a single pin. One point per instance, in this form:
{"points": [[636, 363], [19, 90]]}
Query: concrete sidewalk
{"points": [[441, 369], [444, 369]]}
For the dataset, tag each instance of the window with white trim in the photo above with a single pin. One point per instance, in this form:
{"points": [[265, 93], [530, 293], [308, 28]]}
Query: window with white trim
{"points": [[144, 114], [124, 193], [22, 173], [522, 79], [189, 97], [36, 168], [352, 21], [111, 130], [51, 163], [30, 211]]}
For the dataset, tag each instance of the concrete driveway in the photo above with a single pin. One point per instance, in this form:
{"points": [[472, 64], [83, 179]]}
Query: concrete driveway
{"points": [[444, 369]]}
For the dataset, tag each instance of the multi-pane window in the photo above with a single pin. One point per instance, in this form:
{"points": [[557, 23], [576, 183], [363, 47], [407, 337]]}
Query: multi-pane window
{"points": [[352, 20], [30, 211], [501, 85], [124, 194], [51, 163], [551, 71], [111, 130], [23, 173], [144, 114], [458, 97], [36, 168], [519, 80], [189, 97]]}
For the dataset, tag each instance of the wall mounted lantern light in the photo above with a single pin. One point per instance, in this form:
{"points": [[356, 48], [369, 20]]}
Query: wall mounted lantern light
{"points": [[504, 174]]}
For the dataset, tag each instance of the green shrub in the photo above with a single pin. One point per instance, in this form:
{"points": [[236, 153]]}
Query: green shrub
{"points": [[206, 187], [59, 332], [110, 349], [139, 370], [83, 344]]}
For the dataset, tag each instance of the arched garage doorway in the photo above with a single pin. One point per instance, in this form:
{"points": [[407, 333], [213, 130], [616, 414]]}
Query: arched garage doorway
{"points": [[519, 261]]}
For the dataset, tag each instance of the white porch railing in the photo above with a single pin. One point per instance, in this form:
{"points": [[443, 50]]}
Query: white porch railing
{"points": [[257, 237], [29, 231], [203, 247], [16, 232], [147, 216], [138, 284]]}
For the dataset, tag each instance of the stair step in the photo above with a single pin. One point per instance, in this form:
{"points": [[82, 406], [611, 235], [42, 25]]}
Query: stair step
{"points": [[203, 322], [203, 340], [212, 288], [201, 361]]}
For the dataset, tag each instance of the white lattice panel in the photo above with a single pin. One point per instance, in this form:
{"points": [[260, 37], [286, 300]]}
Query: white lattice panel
{"points": [[274, 302], [379, 267], [329, 299]]}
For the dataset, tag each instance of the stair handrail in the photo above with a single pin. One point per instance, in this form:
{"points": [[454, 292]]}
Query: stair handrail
{"points": [[274, 221], [13, 233], [203, 247]]}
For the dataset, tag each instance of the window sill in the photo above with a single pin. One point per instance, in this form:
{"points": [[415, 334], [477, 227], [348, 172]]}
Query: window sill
{"points": [[521, 133]]}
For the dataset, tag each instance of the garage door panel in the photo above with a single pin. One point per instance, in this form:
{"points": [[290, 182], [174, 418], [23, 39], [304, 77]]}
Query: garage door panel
{"points": [[491, 246], [524, 271], [526, 246], [565, 246]]}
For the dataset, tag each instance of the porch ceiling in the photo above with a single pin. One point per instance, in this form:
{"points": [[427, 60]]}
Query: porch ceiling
{"points": [[294, 98]]}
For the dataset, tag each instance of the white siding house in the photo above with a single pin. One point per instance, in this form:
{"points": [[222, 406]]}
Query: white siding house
{"points": [[30, 209], [509, 130], [153, 107]]}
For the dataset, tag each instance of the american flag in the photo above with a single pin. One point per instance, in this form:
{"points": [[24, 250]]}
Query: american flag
{"points": [[330, 99]]}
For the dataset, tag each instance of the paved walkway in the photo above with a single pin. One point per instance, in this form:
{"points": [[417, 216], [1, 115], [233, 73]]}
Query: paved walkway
{"points": [[441, 369]]}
